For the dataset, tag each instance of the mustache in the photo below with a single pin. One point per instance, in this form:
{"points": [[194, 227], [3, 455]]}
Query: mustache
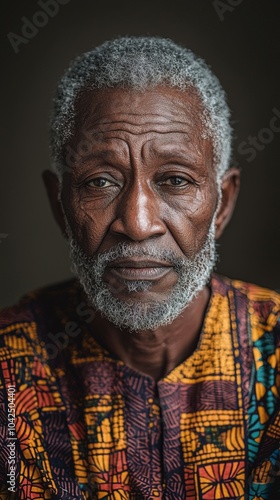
{"points": [[126, 250]]}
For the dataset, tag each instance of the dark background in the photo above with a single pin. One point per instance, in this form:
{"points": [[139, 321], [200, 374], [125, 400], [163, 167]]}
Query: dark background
{"points": [[243, 50]]}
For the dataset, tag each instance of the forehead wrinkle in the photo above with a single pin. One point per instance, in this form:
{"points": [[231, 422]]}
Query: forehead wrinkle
{"points": [[106, 150], [151, 117], [120, 148], [129, 116], [168, 151], [140, 128], [130, 132], [134, 119]]}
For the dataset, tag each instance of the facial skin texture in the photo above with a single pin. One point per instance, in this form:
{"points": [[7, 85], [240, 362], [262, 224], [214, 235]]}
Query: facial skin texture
{"points": [[148, 179], [142, 139]]}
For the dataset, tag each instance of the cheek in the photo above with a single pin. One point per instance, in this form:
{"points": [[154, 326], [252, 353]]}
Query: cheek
{"points": [[189, 220], [89, 225]]}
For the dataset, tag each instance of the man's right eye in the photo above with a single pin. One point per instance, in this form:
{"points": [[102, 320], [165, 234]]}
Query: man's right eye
{"points": [[100, 182]]}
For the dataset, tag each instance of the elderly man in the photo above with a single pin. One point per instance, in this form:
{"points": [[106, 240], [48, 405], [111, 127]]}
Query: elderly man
{"points": [[148, 376]]}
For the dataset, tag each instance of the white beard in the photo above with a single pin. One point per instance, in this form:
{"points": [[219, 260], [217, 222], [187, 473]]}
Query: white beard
{"points": [[134, 314]]}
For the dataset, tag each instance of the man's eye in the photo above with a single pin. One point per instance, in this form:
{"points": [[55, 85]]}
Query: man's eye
{"points": [[100, 182], [176, 181]]}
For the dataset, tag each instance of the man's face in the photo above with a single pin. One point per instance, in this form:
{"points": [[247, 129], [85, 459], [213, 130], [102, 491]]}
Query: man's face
{"points": [[139, 204]]}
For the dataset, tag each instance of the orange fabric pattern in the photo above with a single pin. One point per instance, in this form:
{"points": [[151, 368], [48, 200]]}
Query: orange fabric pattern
{"points": [[90, 427]]}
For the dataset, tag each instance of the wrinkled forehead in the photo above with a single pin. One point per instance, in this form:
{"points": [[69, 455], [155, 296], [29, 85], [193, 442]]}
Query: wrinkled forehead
{"points": [[162, 110], [161, 101]]}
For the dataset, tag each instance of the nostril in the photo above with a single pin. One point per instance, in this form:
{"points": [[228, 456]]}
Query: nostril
{"points": [[138, 226]]}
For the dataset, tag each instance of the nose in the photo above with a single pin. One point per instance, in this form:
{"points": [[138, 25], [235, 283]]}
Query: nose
{"points": [[138, 214]]}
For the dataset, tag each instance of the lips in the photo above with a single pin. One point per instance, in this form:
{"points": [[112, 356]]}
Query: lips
{"points": [[139, 269]]}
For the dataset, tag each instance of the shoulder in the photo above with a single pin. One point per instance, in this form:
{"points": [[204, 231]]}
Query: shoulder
{"points": [[254, 294], [52, 296], [21, 324], [261, 305]]}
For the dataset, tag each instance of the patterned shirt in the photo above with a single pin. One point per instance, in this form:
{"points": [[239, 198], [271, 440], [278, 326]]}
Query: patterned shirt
{"points": [[87, 426]]}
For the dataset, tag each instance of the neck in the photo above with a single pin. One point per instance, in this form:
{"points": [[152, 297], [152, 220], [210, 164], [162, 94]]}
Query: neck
{"points": [[155, 353]]}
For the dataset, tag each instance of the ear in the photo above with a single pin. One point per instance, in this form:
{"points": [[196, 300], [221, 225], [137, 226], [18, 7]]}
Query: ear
{"points": [[52, 185], [230, 190]]}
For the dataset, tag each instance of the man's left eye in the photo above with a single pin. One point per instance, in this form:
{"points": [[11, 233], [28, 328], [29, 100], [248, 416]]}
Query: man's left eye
{"points": [[176, 180]]}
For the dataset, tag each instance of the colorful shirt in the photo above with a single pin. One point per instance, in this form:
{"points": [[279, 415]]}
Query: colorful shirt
{"points": [[87, 426]]}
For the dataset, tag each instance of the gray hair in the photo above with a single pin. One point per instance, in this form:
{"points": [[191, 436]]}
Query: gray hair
{"points": [[140, 63]]}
